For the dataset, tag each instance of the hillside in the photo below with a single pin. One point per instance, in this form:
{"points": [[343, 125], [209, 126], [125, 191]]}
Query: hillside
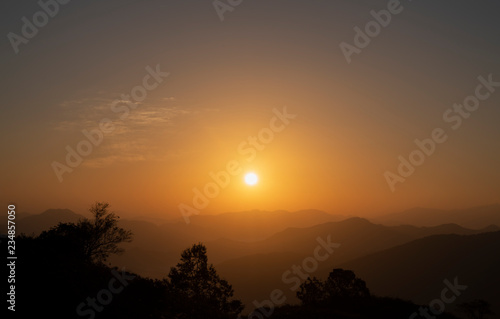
{"points": [[416, 270], [36, 223], [365, 247], [357, 237], [474, 217]]}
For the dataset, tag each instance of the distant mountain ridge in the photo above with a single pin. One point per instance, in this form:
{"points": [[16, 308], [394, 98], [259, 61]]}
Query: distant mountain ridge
{"points": [[281, 239], [35, 224], [424, 263], [257, 225], [357, 238], [474, 217]]}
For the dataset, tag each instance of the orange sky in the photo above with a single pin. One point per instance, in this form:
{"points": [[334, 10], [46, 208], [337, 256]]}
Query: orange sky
{"points": [[225, 79]]}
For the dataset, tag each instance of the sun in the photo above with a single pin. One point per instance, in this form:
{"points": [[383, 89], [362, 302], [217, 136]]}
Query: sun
{"points": [[251, 178]]}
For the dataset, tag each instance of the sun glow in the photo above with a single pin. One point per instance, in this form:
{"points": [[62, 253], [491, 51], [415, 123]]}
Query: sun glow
{"points": [[251, 179]]}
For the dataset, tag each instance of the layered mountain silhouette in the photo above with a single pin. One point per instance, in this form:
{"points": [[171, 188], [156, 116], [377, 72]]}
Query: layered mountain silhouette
{"points": [[475, 217], [36, 223], [416, 270], [400, 255], [357, 238]]}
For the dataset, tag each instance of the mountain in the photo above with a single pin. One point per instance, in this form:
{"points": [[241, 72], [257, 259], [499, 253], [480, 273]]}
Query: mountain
{"points": [[20, 215], [357, 238], [416, 270], [475, 217], [253, 250], [35, 224], [148, 262], [443, 229], [256, 225]]}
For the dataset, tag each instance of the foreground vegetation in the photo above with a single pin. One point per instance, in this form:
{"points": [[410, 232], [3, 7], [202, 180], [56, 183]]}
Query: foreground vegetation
{"points": [[63, 274]]}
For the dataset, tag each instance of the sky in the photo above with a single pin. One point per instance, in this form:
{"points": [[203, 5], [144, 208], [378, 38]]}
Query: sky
{"points": [[323, 100]]}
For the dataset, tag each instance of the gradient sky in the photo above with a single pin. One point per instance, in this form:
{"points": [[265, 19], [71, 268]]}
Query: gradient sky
{"points": [[225, 78]]}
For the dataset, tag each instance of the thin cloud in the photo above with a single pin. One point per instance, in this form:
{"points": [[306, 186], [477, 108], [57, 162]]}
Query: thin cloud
{"points": [[138, 137]]}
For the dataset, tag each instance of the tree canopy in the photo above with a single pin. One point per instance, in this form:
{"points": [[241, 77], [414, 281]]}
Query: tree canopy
{"points": [[92, 240], [341, 285], [198, 290]]}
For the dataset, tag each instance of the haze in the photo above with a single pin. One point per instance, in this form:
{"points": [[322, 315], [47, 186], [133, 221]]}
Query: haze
{"points": [[353, 120], [251, 159]]}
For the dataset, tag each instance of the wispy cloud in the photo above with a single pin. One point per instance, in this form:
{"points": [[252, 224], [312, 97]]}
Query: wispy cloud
{"points": [[140, 136], [104, 161]]}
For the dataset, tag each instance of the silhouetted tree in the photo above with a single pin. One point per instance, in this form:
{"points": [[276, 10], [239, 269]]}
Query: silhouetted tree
{"points": [[342, 287], [475, 309], [198, 291], [105, 233], [344, 283], [93, 240], [311, 292]]}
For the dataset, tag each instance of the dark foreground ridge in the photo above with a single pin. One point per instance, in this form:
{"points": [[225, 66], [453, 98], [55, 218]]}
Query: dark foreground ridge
{"points": [[64, 273]]}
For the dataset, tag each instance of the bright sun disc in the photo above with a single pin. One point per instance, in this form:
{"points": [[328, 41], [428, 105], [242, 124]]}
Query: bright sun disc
{"points": [[251, 178]]}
